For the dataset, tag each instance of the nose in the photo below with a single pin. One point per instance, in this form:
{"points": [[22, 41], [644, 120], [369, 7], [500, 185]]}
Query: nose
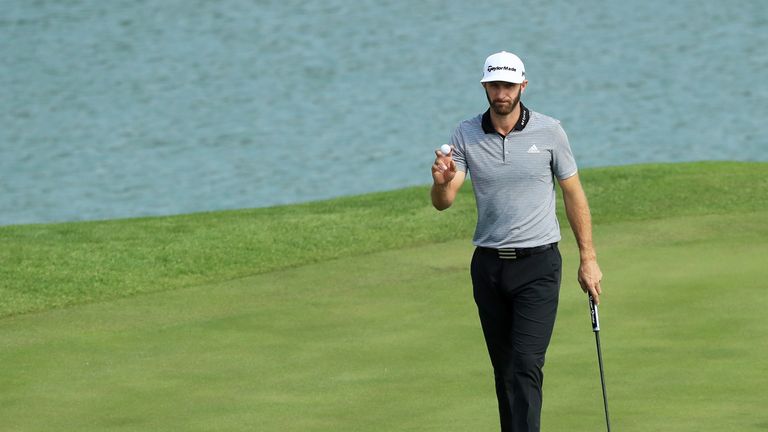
{"points": [[500, 90]]}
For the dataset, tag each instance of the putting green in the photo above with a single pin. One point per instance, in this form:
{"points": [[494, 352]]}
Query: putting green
{"points": [[390, 341]]}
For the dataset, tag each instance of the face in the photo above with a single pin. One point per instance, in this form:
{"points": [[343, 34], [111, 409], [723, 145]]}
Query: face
{"points": [[502, 96]]}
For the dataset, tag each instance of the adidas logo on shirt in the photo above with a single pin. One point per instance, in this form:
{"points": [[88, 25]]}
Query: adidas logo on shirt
{"points": [[533, 149]]}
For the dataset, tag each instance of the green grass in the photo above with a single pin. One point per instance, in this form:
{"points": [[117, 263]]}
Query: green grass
{"points": [[45, 266], [377, 331]]}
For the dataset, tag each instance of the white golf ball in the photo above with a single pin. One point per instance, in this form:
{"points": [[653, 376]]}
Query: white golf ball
{"points": [[445, 149]]}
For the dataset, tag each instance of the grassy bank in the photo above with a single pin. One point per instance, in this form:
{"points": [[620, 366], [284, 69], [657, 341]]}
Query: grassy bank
{"points": [[270, 333], [48, 266], [390, 341]]}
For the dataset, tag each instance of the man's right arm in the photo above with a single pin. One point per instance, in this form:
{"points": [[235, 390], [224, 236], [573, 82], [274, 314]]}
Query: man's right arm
{"points": [[447, 181]]}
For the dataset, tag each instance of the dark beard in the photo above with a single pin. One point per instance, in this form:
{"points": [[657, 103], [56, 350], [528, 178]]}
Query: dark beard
{"points": [[503, 109]]}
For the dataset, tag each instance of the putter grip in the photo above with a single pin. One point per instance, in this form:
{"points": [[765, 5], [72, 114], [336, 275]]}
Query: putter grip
{"points": [[593, 313]]}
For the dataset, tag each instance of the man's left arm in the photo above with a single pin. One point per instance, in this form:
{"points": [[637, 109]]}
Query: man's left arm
{"points": [[577, 210]]}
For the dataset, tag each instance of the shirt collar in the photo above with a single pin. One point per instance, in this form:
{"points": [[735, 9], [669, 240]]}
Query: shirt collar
{"points": [[525, 116]]}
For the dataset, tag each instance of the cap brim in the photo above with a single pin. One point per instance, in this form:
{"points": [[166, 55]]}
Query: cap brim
{"points": [[502, 78]]}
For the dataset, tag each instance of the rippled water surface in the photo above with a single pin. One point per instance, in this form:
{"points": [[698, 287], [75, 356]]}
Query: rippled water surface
{"points": [[131, 108]]}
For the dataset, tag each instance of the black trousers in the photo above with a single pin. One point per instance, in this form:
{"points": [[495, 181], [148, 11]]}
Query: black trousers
{"points": [[517, 303]]}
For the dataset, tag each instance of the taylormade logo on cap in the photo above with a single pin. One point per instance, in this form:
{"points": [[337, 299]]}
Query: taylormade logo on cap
{"points": [[493, 68], [503, 66]]}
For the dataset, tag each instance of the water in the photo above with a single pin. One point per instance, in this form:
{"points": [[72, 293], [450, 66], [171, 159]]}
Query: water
{"points": [[134, 108]]}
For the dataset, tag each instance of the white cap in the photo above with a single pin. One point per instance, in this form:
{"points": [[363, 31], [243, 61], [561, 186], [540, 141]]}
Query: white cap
{"points": [[503, 66]]}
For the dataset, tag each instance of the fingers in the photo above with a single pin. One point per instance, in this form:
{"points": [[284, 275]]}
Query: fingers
{"points": [[441, 174], [439, 167], [595, 295], [592, 288], [444, 168], [443, 161], [589, 277]]}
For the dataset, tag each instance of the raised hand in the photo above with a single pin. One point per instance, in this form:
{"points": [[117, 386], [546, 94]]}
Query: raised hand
{"points": [[444, 169]]}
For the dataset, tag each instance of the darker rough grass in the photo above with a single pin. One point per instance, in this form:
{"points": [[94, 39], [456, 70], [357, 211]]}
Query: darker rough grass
{"points": [[55, 265]]}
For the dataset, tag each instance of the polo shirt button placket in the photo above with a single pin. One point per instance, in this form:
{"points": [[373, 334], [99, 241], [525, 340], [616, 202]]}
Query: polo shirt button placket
{"points": [[504, 149]]}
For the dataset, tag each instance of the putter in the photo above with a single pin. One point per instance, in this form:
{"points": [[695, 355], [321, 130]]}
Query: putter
{"points": [[596, 330]]}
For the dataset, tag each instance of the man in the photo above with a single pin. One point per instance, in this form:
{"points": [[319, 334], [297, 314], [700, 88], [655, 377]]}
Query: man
{"points": [[513, 155]]}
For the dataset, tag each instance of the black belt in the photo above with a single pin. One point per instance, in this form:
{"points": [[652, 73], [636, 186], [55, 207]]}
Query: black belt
{"points": [[515, 253]]}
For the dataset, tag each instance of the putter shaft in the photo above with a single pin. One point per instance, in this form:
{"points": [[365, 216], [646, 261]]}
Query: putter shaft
{"points": [[596, 330]]}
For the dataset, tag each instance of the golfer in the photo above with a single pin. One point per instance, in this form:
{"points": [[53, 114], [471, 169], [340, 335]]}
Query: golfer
{"points": [[514, 155]]}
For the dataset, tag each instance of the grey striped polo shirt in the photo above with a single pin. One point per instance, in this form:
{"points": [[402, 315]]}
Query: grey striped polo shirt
{"points": [[513, 177]]}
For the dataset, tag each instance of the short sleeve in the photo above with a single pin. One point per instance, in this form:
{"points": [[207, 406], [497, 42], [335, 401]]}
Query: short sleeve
{"points": [[459, 150], [563, 162]]}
